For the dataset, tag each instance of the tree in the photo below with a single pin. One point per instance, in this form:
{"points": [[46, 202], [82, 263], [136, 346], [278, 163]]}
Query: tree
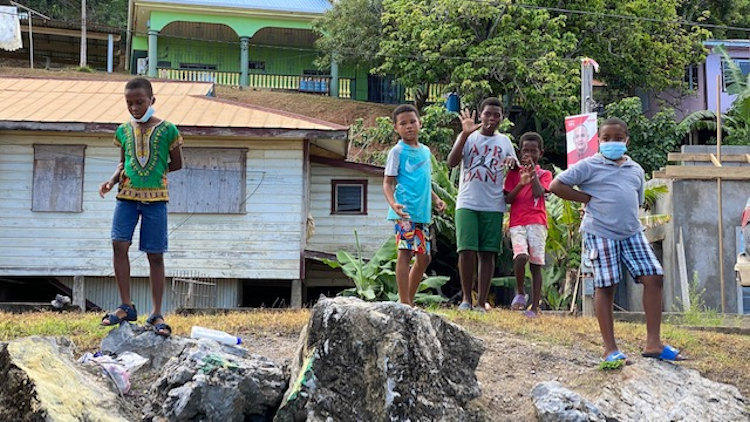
{"points": [[719, 12], [113, 13], [350, 32], [651, 139]]}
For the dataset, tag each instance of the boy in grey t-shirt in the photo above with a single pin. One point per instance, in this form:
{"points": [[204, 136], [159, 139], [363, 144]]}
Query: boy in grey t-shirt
{"points": [[611, 186], [484, 155]]}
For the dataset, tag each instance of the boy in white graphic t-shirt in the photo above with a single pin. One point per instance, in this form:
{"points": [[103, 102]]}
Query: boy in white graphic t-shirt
{"points": [[484, 155]]}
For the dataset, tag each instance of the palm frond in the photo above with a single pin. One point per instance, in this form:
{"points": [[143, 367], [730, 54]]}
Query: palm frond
{"points": [[698, 120]]}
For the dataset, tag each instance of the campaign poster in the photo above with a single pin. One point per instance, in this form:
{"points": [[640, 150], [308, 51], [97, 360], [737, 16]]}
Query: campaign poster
{"points": [[581, 137]]}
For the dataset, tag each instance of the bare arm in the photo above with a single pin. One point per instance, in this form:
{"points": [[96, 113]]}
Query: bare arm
{"points": [[389, 190], [536, 186], [566, 192], [175, 158], [467, 128], [438, 203]]}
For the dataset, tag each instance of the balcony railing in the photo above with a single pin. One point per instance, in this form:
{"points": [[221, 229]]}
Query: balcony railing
{"points": [[301, 83]]}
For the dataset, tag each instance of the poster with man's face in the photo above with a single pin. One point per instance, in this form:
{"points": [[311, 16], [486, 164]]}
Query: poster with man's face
{"points": [[581, 136]]}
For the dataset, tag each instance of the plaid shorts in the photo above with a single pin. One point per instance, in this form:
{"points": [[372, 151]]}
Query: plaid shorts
{"points": [[607, 255], [413, 237]]}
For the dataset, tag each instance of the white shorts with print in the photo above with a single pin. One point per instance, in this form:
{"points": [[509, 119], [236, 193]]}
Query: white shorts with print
{"points": [[529, 240]]}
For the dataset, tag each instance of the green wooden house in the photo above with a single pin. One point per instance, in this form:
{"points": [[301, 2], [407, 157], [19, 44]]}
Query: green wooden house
{"points": [[254, 43]]}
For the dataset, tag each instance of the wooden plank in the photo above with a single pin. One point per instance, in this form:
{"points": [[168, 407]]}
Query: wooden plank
{"points": [[716, 162], [659, 174], [725, 158], [707, 172], [58, 178], [682, 266]]}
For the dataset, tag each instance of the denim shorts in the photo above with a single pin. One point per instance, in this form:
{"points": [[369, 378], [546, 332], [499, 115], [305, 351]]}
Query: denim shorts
{"points": [[153, 216]]}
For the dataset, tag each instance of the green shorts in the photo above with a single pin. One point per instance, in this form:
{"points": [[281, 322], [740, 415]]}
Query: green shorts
{"points": [[479, 230]]}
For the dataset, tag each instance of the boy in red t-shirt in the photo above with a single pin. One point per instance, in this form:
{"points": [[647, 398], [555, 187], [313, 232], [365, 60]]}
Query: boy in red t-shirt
{"points": [[524, 192]]}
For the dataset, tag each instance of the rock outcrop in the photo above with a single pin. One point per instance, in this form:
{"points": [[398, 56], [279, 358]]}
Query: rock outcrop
{"points": [[382, 361], [212, 382], [41, 382], [649, 390]]}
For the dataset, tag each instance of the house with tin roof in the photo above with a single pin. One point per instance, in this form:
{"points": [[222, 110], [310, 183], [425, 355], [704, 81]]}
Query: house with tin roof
{"points": [[263, 195]]}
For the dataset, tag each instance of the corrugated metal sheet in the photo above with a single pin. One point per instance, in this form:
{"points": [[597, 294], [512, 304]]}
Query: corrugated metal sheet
{"points": [[303, 6], [103, 292], [102, 102]]}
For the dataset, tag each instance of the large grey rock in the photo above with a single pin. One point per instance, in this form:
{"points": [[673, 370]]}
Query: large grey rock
{"points": [[384, 361], [134, 338], [661, 391], [207, 383], [555, 403], [40, 381]]}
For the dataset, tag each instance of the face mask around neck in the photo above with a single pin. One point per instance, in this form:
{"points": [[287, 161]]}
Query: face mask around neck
{"points": [[147, 115]]}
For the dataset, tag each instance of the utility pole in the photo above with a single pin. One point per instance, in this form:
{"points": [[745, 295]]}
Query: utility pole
{"points": [[83, 33]]}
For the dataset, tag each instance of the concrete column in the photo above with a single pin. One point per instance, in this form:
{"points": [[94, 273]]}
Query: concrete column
{"points": [[244, 60], [152, 58], [110, 52], [79, 294], [296, 301], [334, 78]]}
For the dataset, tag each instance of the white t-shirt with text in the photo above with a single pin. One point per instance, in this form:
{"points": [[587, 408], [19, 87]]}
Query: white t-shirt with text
{"points": [[482, 172]]}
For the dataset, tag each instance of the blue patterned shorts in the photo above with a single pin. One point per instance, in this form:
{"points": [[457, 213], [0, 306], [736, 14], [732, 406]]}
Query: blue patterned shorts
{"points": [[607, 255]]}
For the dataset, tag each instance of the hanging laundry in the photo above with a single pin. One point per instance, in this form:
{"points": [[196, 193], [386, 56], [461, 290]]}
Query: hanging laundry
{"points": [[10, 29]]}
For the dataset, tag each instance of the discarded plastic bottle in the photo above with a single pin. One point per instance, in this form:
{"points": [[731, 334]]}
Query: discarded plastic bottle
{"points": [[216, 335]]}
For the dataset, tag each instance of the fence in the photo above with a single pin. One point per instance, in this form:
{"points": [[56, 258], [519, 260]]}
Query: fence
{"points": [[311, 84], [189, 290]]}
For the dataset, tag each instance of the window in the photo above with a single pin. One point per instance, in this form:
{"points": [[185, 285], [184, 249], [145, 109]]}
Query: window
{"points": [[212, 181], [197, 66], [744, 65], [163, 64], [314, 72], [256, 65], [58, 178], [348, 196], [691, 77]]}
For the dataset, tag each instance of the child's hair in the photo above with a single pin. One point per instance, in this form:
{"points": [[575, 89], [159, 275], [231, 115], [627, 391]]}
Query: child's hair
{"points": [[490, 101], [616, 121], [144, 83], [404, 108], [531, 137]]}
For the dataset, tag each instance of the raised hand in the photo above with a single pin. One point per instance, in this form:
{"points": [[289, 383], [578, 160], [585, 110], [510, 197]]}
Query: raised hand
{"points": [[399, 210], [468, 121]]}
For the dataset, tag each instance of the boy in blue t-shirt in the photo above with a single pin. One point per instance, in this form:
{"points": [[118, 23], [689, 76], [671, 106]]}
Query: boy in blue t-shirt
{"points": [[612, 185], [408, 189]]}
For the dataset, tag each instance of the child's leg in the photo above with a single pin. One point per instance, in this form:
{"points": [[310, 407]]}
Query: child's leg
{"points": [[536, 235], [486, 269], [416, 274], [156, 275], [122, 271], [604, 298], [467, 264], [536, 286], [652, 291], [402, 275], [519, 270]]}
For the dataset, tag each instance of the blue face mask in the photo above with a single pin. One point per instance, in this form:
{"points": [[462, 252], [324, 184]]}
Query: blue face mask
{"points": [[613, 150], [147, 115]]}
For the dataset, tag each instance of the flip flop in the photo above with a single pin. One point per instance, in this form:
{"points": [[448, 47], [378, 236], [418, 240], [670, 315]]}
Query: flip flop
{"points": [[667, 353], [519, 303], [615, 356], [464, 306], [530, 314]]}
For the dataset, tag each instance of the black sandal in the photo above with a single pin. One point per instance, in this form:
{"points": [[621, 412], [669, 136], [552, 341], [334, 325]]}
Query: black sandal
{"points": [[160, 328], [130, 315]]}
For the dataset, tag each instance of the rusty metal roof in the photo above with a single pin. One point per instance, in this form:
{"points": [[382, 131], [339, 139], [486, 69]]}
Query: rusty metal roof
{"points": [[102, 103]]}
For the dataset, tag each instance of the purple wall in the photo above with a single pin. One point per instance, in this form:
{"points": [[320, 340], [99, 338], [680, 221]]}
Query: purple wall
{"points": [[713, 68]]}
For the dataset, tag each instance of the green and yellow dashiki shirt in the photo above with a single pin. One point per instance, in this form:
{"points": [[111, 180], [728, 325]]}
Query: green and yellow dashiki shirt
{"points": [[144, 177]]}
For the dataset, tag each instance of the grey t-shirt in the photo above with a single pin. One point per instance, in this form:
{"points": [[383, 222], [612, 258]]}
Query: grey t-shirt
{"points": [[616, 193], [481, 184]]}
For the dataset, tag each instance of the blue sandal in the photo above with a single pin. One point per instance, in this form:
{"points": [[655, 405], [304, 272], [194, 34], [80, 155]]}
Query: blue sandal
{"points": [[130, 315], [615, 356], [160, 328], [667, 353]]}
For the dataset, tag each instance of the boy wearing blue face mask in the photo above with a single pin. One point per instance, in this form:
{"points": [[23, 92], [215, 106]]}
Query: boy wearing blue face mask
{"points": [[149, 149], [612, 185]]}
